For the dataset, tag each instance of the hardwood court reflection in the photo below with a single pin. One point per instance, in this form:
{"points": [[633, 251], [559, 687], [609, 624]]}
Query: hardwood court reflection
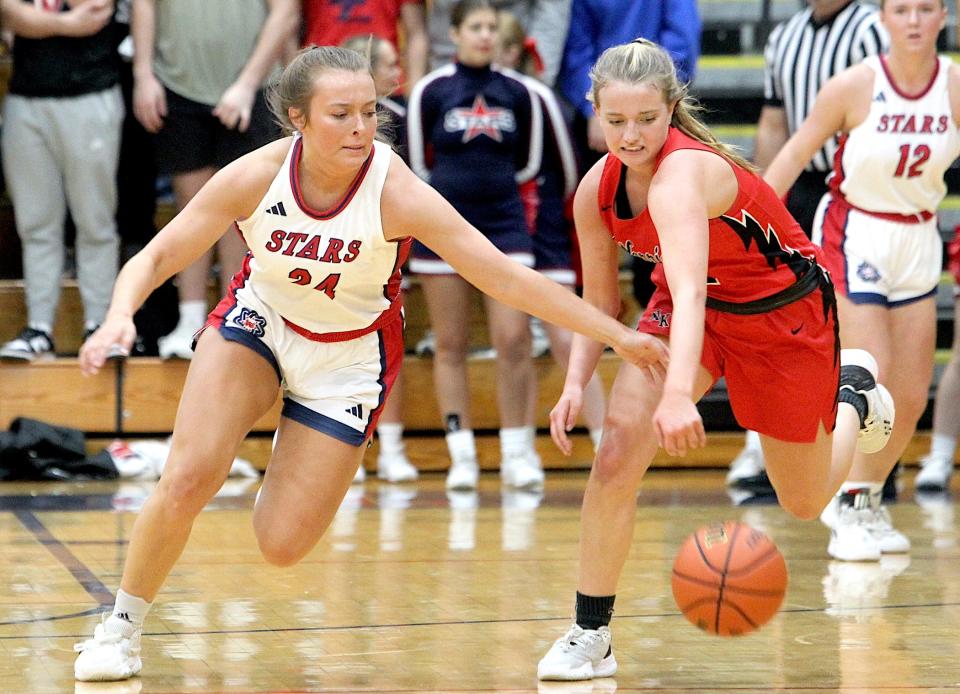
{"points": [[415, 590]]}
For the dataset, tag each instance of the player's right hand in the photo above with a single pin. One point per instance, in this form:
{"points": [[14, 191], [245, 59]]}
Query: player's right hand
{"points": [[563, 417], [149, 102], [112, 339]]}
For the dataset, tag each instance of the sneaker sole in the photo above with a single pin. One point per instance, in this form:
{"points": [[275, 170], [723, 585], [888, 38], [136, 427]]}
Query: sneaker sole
{"points": [[875, 444], [831, 550], [931, 487], [176, 355], [606, 668], [737, 480], [108, 677], [574, 676], [532, 486], [397, 479], [895, 548], [17, 356], [462, 485]]}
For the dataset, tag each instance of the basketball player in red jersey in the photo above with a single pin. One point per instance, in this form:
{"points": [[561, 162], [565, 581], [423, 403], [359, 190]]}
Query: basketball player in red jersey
{"points": [[740, 294], [328, 216]]}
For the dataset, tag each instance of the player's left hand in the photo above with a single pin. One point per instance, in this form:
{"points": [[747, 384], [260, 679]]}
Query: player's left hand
{"points": [[563, 417], [678, 425], [235, 107]]}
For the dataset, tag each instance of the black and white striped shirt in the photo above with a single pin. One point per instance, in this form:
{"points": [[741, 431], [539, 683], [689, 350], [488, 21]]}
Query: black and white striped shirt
{"points": [[802, 54]]}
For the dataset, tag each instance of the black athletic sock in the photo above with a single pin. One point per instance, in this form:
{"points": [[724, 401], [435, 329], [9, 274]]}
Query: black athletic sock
{"points": [[594, 612], [853, 381]]}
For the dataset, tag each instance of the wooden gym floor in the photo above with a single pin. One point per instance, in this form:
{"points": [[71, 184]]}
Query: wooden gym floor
{"points": [[415, 590]]}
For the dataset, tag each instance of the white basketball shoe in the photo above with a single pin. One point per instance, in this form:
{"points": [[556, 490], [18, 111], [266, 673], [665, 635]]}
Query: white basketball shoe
{"points": [[580, 654], [107, 657]]}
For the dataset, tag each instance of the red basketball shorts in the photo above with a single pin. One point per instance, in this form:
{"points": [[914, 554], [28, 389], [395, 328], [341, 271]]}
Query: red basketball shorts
{"points": [[782, 368]]}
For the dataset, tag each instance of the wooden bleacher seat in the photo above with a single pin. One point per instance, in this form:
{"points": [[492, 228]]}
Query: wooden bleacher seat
{"points": [[54, 390], [68, 330]]}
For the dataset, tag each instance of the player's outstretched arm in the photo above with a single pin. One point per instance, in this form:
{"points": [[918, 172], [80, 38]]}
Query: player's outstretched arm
{"points": [[837, 109], [231, 194], [412, 208], [599, 257]]}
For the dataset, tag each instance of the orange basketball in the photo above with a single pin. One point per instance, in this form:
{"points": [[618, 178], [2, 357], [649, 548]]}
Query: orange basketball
{"points": [[729, 578]]}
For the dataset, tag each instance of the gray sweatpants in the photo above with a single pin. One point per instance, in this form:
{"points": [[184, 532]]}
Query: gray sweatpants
{"points": [[60, 151]]}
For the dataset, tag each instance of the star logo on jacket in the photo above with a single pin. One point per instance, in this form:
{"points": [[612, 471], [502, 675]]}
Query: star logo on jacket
{"points": [[480, 119], [251, 321]]}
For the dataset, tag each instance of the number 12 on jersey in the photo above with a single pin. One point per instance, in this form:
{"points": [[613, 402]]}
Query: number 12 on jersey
{"points": [[910, 163]]}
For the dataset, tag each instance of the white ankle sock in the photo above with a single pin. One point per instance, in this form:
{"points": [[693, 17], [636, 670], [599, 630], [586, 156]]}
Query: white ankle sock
{"points": [[531, 437], [390, 436], [752, 441], [193, 314], [129, 612], [514, 441], [943, 446], [462, 446]]}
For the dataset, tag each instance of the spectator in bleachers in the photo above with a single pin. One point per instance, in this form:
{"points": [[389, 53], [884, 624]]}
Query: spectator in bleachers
{"points": [[199, 71], [474, 133], [331, 23], [801, 54], [392, 462], [545, 21], [61, 142], [548, 204]]}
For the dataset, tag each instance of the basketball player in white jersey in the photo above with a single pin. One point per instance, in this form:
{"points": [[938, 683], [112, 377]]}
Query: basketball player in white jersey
{"points": [[328, 216], [898, 115]]}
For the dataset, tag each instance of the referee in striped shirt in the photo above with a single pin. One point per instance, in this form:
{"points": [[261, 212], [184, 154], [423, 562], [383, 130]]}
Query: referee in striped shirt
{"points": [[801, 54]]}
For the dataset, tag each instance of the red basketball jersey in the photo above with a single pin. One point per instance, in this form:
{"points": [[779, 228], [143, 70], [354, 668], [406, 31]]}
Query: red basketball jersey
{"points": [[756, 248]]}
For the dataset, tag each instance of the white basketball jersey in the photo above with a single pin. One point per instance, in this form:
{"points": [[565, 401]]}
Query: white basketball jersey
{"points": [[895, 160], [330, 273]]}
